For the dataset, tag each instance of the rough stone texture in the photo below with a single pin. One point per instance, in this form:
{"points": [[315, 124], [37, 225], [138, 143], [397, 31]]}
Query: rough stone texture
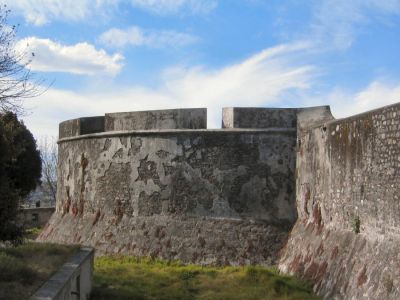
{"points": [[81, 126], [347, 182], [212, 197], [191, 118]]}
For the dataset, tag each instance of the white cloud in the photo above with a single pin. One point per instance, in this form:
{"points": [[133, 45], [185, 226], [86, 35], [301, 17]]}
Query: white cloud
{"points": [[135, 36], [377, 94], [81, 58], [165, 7], [345, 102], [337, 22], [257, 81]]}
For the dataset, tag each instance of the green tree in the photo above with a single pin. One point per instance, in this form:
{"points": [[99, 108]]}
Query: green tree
{"points": [[23, 167], [9, 230], [20, 164], [20, 172]]}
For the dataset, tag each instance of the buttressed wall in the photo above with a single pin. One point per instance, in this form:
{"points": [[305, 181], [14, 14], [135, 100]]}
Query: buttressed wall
{"points": [[158, 183]]}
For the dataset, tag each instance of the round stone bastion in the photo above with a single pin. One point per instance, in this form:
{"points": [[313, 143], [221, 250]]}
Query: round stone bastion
{"points": [[159, 184]]}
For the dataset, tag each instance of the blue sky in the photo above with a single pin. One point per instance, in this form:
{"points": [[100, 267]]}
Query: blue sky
{"points": [[114, 55]]}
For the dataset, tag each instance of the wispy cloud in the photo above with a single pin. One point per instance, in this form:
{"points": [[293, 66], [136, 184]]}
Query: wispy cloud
{"points": [[167, 7], [258, 80], [81, 58], [136, 36], [336, 23], [262, 79], [40, 12]]}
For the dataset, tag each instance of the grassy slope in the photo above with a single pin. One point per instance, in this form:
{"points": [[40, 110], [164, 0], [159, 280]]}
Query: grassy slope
{"points": [[130, 278], [23, 269]]}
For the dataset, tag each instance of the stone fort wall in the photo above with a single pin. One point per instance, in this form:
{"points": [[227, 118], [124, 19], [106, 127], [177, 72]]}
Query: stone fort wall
{"points": [[318, 196], [159, 184], [347, 236]]}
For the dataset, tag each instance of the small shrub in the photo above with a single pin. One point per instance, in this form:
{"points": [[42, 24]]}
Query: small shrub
{"points": [[187, 274], [32, 233]]}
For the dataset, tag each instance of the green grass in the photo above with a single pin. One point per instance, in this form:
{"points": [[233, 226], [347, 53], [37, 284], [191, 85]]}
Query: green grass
{"points": [[23, 269], [130, 278]]}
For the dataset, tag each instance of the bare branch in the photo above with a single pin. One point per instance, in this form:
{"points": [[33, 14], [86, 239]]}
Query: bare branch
{"points": [[16, 80], [49, 155]]}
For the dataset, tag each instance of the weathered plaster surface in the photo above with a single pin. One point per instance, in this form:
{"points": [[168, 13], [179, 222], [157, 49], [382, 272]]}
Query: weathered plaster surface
{"points": [[348, 181], [223, 197]]}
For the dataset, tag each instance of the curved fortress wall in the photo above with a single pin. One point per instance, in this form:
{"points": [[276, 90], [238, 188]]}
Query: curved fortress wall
{"points": [[149, 183], [347, 236]]}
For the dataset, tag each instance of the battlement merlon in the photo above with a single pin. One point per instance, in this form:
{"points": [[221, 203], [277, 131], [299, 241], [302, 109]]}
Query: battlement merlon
{"points": [[258, 117], [187, 118], [81, 126]]}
